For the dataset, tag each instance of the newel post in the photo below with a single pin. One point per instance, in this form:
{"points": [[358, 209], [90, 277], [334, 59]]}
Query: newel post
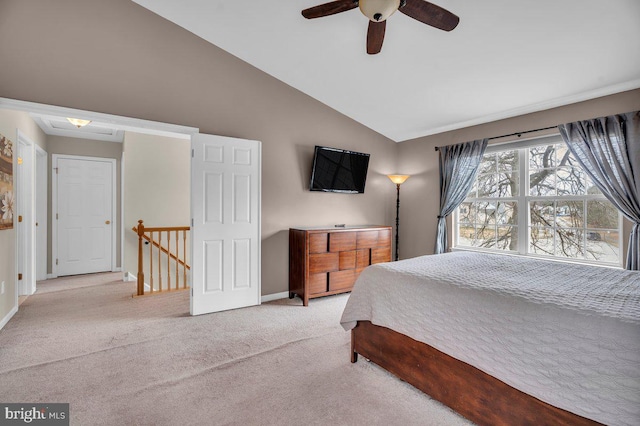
{"points": [[140, 263]]}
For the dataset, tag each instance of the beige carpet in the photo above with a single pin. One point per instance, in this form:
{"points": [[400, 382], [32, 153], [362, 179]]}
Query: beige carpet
{"points": [[145, 361]]}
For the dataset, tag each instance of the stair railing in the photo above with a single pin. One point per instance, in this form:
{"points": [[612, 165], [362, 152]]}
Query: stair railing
{"points": [[165, 257]]}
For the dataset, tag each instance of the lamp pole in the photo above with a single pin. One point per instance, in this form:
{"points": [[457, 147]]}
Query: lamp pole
{"points": [[397, 218], [398, 180]]}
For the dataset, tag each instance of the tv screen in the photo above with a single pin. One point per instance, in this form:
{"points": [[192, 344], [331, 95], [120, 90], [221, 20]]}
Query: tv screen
{"points": [[338, 170]]}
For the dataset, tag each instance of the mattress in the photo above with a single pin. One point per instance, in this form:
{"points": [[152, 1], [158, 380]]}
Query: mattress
{"points": [[566, 334]]}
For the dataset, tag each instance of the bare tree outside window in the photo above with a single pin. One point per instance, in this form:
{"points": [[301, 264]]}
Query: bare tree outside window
{"points": [[564, 213]]}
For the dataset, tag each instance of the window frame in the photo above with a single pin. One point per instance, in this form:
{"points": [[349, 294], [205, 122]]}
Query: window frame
{"points": [[523, 199]]}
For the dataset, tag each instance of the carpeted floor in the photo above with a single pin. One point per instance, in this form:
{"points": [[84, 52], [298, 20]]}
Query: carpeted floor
{"points": [[145, 361]]}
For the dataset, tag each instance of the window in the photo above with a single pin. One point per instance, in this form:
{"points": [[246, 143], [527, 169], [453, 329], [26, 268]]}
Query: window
{"points": [[536, 200]]}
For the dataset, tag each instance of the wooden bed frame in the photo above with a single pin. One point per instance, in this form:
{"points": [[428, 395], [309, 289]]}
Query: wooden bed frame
{"points": [[474, 394]]}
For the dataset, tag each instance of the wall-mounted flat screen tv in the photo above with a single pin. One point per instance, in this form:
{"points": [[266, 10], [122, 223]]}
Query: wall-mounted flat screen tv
{"points": [[338, 170]]}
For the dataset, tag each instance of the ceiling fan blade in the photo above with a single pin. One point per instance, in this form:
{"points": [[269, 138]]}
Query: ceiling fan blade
{"points": [[430, 14], [375, 36], [329, 8]]}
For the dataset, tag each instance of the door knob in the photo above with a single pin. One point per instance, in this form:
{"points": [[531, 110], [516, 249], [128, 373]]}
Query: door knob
{"points": [[107, 222]]}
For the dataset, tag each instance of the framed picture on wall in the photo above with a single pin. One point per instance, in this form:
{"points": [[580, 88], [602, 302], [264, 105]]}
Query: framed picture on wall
{"points": [[6, 183]]}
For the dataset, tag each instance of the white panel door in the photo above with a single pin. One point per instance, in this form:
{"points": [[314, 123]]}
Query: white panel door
{"points": [[84, 212], [225, 207]]}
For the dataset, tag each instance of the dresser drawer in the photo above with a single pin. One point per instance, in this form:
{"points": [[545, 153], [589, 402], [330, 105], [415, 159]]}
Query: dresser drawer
{"points": [[367, 239], [347, 260], [380, 255], [342, 241], [318, 243], [317, 283], [323, 262], [384, 238], [342, 280]]}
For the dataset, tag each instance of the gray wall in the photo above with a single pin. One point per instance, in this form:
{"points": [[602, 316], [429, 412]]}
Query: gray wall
{"points": [[116, 57]]}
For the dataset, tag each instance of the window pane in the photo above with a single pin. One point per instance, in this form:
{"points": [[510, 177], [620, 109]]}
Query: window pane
{"points": [[487, 185], [603, 245], [466, 236], [507, 185], [591, 188], [507, 161], [602, 214], [507, 238], [486, 213], [542, 213], [486, 237], [541, 240], [542, 182], [507, 213], [467, 213], [563, 156], [542, 157], [569, 243], [488, 164], [570, 214], [570, 181]]}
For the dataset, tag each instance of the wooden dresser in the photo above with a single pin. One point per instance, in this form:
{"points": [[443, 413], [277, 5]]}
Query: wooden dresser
{"points": [[325, 261]]}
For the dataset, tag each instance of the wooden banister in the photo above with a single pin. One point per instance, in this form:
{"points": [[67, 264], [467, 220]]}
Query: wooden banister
{"points": [[164, 250], [146, 236]]}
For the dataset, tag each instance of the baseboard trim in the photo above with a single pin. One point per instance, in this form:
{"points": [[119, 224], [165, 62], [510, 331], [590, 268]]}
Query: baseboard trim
{"points": [[274, 296], [8, 317], [51, 276]]}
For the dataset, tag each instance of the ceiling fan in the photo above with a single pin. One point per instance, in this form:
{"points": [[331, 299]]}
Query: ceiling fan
{"points": [[379, 10]]}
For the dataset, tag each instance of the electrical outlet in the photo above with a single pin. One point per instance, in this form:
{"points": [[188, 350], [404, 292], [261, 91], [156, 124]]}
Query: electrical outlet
{"points": [[2, 288]]}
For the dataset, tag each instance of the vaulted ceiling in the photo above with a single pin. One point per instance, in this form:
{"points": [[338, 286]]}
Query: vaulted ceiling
{"points": [[504, 59]]}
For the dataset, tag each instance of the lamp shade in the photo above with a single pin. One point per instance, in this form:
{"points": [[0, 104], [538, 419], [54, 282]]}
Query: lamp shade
{"points": [[378, 10], [398, 179]]}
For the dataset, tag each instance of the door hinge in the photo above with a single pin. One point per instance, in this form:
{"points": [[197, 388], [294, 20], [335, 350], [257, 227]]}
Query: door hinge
{"points": [[56, 169], [19, 277], [192, 222], [56, 216], [19, 218], [56, 261], [192, 153]]}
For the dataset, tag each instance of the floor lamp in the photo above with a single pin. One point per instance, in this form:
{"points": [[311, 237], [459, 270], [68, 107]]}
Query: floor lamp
{"points": [[398, 180]]}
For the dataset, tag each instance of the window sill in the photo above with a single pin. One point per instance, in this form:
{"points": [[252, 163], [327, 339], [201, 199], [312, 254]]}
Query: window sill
{"points": [[530, 256]]}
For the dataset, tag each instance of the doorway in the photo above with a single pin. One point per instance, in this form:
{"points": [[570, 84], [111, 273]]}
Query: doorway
{"points": [[83, 209]]}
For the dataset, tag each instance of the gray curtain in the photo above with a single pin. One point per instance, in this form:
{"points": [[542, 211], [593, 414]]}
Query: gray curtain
{"points": [[458, 168], [608, 149]]}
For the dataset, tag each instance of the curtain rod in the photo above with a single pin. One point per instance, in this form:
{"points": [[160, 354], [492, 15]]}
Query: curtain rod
{"points": [[516, 134]]}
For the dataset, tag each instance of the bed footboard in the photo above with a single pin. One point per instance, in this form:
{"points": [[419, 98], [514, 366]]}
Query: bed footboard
{"points": [[474, 394]]}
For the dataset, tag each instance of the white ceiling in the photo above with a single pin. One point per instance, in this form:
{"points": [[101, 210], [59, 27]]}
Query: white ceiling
{"points": [[505, 58]]}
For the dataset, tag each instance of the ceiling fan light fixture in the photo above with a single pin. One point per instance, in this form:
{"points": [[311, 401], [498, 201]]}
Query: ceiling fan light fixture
{"points": [[78, 122], [378, 10]]}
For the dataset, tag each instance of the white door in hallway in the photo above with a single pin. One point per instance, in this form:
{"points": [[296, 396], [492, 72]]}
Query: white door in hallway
{"points": [[225, 210], [84, 214]]}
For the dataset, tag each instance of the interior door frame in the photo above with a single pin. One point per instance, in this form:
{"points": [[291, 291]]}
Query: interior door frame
{"points": [[25, 197], [41, 212], [54, 207]]}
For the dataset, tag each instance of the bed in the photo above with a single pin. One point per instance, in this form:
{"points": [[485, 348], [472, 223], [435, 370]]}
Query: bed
{"points": [[505, 339]]}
